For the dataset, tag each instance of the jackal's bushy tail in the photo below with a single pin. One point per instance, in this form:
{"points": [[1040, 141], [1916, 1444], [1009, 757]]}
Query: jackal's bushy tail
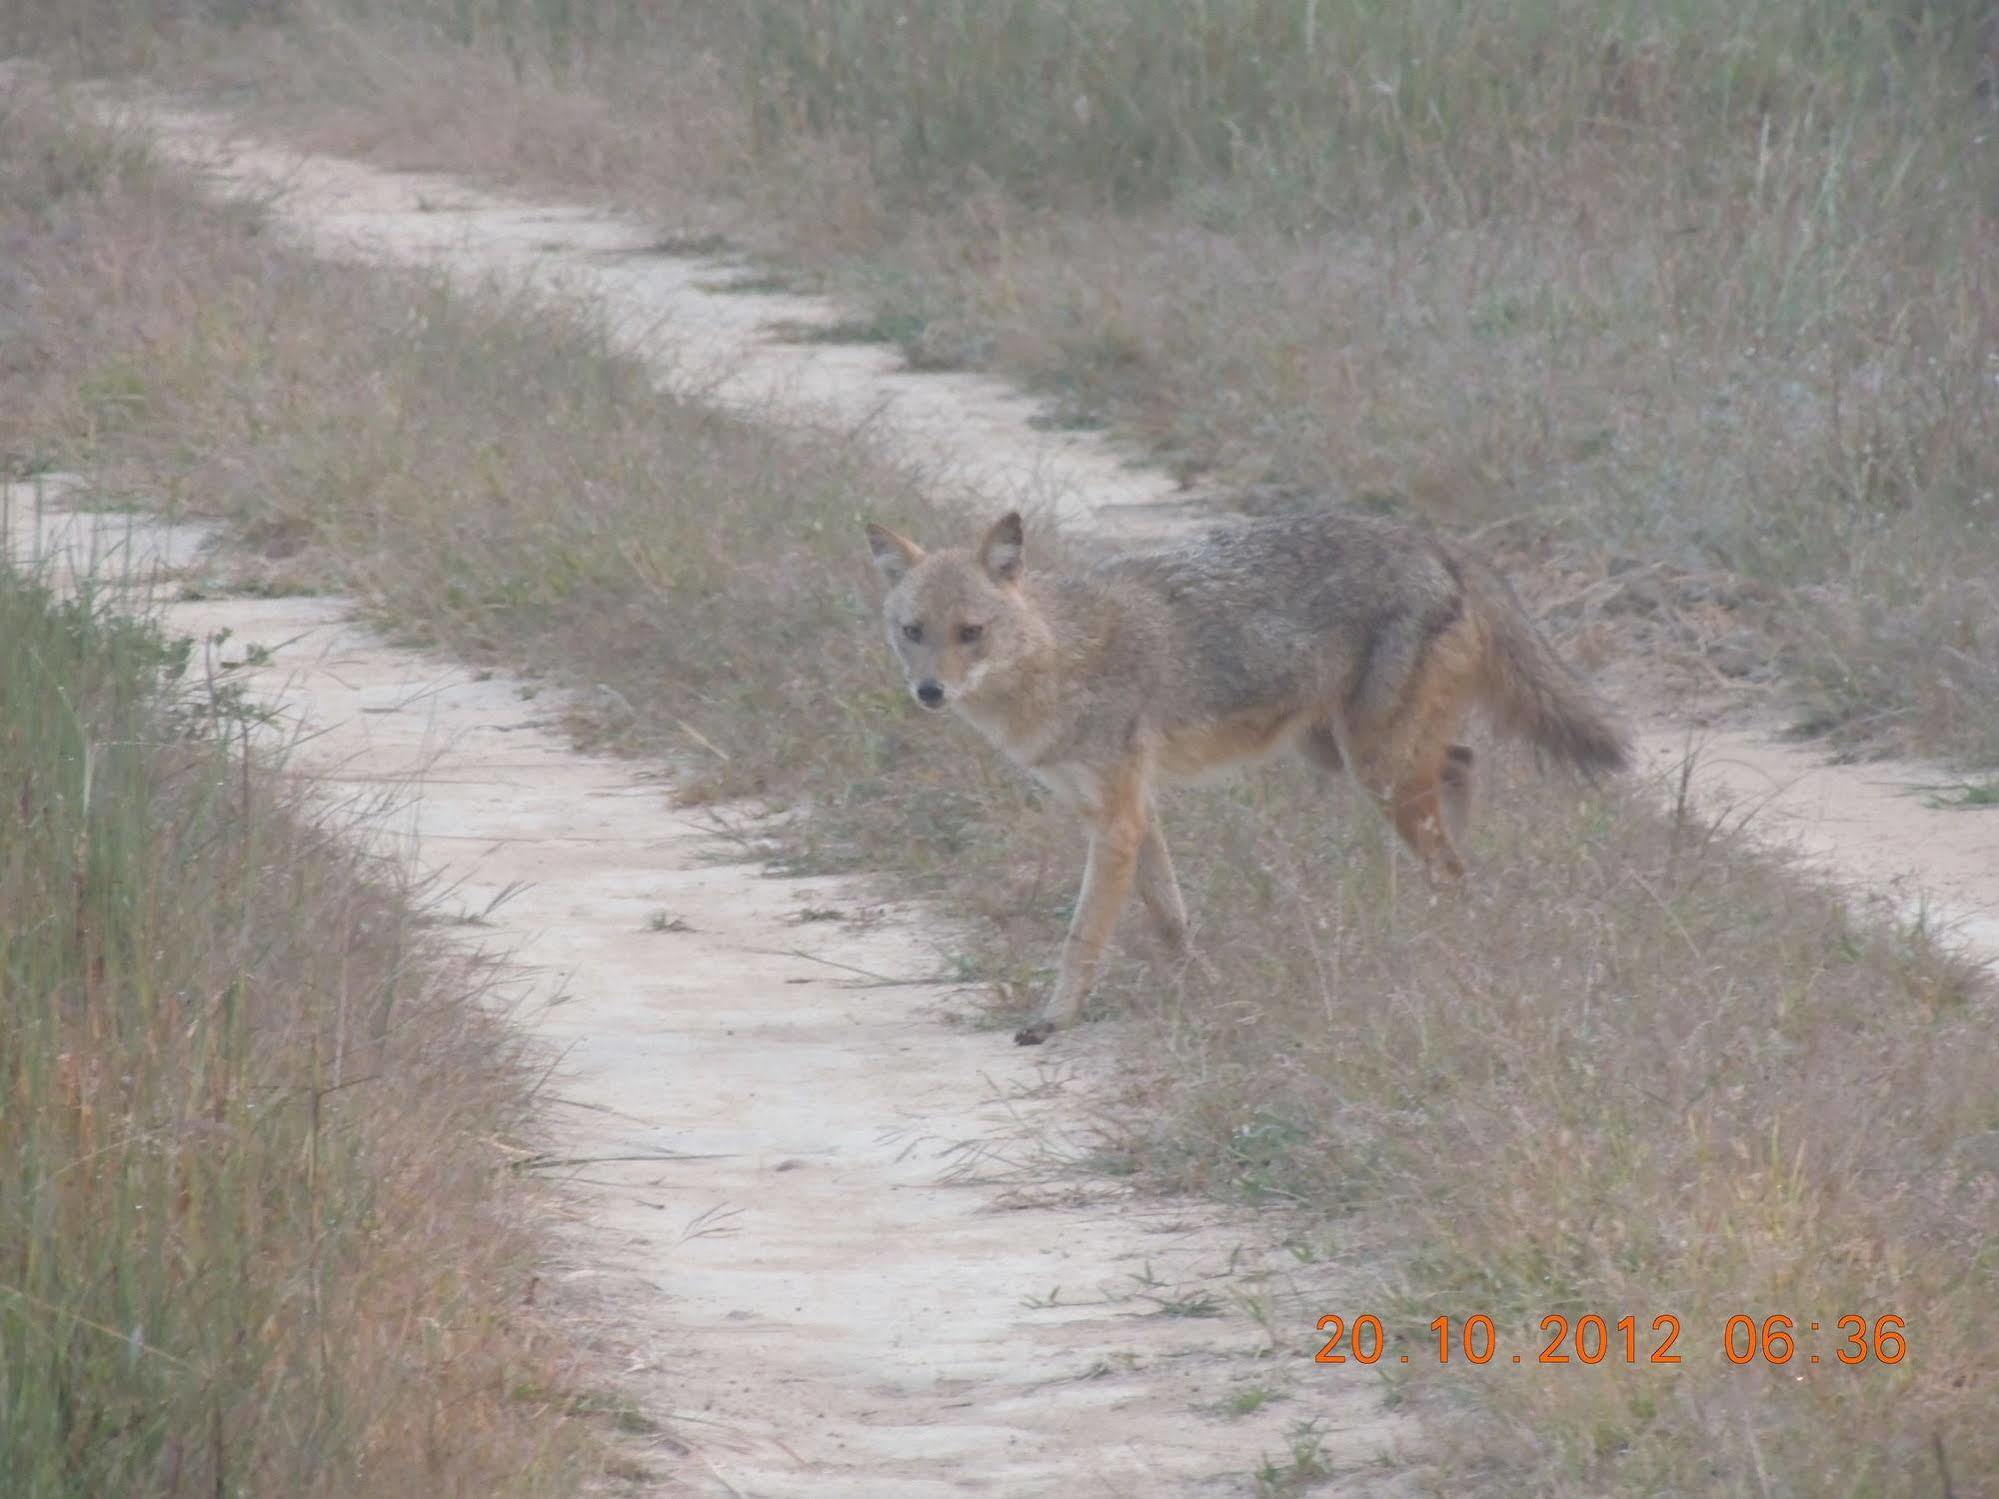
{"points": [[1531, 692]]}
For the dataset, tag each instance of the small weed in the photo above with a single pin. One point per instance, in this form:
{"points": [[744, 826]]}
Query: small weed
{"points": [[1966, 796], [1194, 1304], [617, 1411], [1246, 1401], [1069, 416], [764, 283], [1261, 1308], [884, 327], [689, 246], [254, 655], [1300, 1469], [630, 1470], [1177, 1301]]}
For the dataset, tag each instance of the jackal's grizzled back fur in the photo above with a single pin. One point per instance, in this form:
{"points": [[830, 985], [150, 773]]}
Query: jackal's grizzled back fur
{"points": [[1345, 610]]}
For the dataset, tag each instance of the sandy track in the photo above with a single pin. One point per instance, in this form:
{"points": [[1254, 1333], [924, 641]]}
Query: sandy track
{"points": [[1870, 828], [969, 433], [1860, 826], [869, 1319], [825, 1235]]}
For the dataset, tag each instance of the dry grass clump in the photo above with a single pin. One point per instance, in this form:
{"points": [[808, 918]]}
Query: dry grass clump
{"points": [[1631, 1070]]}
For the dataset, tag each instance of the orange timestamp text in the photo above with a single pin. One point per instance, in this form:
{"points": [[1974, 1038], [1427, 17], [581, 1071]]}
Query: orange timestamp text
{"points": [[1592, 1339]]}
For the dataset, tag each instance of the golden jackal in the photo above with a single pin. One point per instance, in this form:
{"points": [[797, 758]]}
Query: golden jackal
{"points": [[1362, 643]]}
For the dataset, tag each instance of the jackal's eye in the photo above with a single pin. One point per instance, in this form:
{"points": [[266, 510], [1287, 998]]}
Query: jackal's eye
{"points": [[969, 633], [912, 632]]}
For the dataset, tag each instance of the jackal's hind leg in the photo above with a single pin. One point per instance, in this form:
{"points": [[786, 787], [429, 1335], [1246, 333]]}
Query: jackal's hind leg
{"points": [[1418, 805], [1429, 804], [1320, 744], [1455, 778], [1160, 891]]}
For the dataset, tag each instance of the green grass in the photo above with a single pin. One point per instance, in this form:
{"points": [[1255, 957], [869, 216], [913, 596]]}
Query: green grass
{"points": [[1633, 1068], [243, 1109], [1246, 1401], [1968, 796], [1301, 1469]]}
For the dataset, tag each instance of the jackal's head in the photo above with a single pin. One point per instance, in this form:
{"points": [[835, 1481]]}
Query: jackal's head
{"points": [[955, 616]]}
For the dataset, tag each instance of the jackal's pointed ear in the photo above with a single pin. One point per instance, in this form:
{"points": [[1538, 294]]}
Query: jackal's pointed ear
{"points": [[1003, 551], [894, 555]]}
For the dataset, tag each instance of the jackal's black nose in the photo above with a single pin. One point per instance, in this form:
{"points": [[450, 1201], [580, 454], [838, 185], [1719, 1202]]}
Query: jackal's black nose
{"points": [[930, 694]]}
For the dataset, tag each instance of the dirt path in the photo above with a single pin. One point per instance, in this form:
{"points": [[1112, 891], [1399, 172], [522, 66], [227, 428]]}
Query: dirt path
{"points": [[827, 1237], [1874, 829], [805, 1215], [969, 433], [1862, 826]]}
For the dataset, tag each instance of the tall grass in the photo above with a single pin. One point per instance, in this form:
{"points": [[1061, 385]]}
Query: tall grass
{"points": [[1633, 1070], [250, 1241], [1443, 108], [253, 1235], [1706, 281]]}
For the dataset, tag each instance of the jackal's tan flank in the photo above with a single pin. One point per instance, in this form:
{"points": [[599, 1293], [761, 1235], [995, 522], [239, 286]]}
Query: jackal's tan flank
{"points": [[1361, 643]]}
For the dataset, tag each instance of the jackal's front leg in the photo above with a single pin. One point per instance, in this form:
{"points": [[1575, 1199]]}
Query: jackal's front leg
{"points": [[1107, 877]]}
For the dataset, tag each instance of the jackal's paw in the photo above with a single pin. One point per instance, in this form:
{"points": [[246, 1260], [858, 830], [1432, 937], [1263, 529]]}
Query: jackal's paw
{"points": [[1035, 1034]]}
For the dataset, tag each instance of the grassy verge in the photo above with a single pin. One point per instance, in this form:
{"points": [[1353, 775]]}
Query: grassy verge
{"points": [[253, 1234], [1636, 1071], [1704, 288], [254, 1240]]}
